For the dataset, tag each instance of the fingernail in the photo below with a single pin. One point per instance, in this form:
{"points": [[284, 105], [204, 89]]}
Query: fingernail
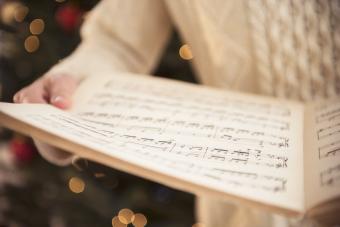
{"points": [[57, 99]]}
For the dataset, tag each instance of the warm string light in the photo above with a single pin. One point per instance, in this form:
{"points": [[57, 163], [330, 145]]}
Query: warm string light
{"points": [[126, 216], [117, 223], [37, 26], [8, 11], [139, 220], [185, 52], [31, 43], [15, 11], [76, 185], [21, 13]]}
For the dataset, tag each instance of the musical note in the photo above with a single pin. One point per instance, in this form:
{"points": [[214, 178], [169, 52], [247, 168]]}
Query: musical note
{"points": [[171, 126], [327, 133], [330, 149], [150, 148], [330, 114], [330, 176], [328, 130], [235, 143]]}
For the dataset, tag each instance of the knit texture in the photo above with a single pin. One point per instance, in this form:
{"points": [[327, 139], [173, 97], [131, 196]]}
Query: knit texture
{"points": [[296, 44]]}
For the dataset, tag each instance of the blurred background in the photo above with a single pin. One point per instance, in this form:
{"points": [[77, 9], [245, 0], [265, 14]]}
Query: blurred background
{"points": [[34, 35]]}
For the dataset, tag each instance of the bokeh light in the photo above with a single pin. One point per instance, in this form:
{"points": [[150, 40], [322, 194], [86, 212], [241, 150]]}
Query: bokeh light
{"points": [[139, 220], [185, 52], [20, 13], [37, 26], [125, 216], [32, 44], [117, 223], [76, 185], [8, 11]]}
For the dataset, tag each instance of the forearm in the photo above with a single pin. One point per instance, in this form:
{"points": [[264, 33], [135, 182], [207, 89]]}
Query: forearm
{"points": [[117, 36], [124, 38]]}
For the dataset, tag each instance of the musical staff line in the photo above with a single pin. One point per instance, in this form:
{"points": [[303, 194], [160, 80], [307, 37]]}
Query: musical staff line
{"points": [[330, 176]]}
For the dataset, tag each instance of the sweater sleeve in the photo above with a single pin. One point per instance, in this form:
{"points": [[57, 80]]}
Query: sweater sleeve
{"points": [[116, 36], [119, 36]]}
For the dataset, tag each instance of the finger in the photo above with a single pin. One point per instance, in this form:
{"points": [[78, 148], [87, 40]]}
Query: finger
{"points": [[31, 94], [16, 97], [61, 89]]}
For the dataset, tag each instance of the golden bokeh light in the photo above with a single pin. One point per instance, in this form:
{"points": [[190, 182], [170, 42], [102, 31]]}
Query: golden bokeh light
{"points": [[117, 223], [185, 52], [7, 12], [198, 225], [32, 44], [20, 13], [76, 185], [125, 216], [139, 220], [37, 26]]}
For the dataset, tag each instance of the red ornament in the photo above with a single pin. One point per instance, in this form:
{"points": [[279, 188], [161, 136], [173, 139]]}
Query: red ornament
{"points": [[68, 17], [22, 149]]}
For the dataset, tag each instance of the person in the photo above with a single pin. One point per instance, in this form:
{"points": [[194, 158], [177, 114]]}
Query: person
{"points": [[287, 49]]}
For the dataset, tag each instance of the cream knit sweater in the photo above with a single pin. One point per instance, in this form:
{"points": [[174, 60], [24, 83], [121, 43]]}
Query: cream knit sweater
{"points": [[286, 48]]}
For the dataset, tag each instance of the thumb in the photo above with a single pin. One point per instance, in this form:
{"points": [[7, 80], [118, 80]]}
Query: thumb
{"points": [[61, 89]]}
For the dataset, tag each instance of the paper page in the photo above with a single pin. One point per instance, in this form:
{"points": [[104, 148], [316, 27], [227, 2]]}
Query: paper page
{"points": [[243, 145], [322, 152]]}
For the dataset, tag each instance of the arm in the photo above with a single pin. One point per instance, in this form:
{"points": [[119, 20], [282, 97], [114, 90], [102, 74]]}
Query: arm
{"points": [[117, 36]]}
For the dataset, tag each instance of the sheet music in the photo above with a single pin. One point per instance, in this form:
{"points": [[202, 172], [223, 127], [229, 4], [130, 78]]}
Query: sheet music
{"points": [[323, 155], [239, 144]]}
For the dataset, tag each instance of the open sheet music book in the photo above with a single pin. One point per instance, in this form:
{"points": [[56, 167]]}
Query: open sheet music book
{"points": [[265, 152]]}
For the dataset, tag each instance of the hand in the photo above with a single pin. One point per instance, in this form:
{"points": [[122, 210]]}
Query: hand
{"points": [[56, 90]]}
